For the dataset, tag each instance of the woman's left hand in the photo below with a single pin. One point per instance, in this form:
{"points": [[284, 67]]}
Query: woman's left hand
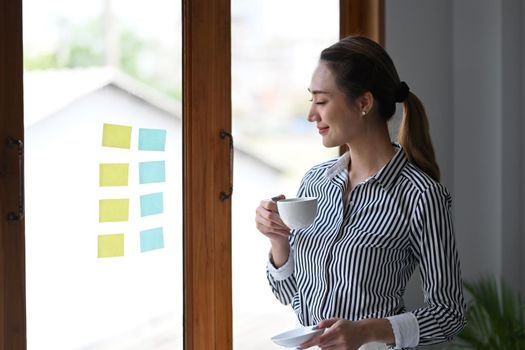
{"points": [[339, 335]]}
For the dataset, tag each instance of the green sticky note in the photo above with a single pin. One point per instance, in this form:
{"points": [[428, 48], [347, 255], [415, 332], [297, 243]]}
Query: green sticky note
{"points": [[114, 174], [112, 210], [151, 239], [116, 136], [111, 245]]}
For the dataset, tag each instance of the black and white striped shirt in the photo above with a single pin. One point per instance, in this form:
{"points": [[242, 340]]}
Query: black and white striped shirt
{"points": [[354, 262]]}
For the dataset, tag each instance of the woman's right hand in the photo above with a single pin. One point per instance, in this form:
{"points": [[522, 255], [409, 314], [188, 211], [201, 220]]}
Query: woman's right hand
{"points": [[269, 223]]}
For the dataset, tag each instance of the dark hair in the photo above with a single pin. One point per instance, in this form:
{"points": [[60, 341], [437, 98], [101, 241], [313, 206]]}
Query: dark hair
{"points": [[360, 65]]}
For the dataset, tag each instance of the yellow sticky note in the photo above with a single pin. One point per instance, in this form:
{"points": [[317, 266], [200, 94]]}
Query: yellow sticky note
{"points": [[111, 245], [112, 210], [116, 136], [114, 174]]}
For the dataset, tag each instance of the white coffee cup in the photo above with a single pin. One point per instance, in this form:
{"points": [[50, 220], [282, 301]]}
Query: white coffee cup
{"points": [[297, 212]]}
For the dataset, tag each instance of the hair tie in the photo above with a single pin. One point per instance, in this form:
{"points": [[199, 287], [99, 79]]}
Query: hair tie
{"points": [[402, 92]]}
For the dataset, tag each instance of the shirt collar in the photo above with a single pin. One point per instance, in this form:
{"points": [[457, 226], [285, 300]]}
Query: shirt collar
{"points": [[385, 176]]}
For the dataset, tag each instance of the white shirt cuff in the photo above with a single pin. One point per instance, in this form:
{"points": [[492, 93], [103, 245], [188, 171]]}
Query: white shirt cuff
{"points": [[283, 272], [406, 330]]}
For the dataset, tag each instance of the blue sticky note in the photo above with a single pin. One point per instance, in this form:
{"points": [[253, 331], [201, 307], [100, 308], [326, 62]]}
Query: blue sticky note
{"points": [[150, 172], [152, 139], [151, 204], [151, 239]]}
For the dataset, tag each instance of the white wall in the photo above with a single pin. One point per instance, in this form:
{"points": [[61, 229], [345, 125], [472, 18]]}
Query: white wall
{"points": [[464, 59]]}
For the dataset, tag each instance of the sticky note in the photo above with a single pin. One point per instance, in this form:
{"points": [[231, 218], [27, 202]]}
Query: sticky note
{"points": [[111, 245], [116, 136], [151, 239], [151, 204], [152, 139], [151, 172], [112, 210], [113, 174]]}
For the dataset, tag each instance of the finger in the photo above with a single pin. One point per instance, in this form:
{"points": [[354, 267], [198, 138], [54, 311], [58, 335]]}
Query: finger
{"points": [[328, 344], [270, 225], [276, 198], [271, 204], [328, 337], [270, 216], [283, 233], [330, 334], [271, 231], [327, 323], [321, 338], [276, 234], [312, 342]]}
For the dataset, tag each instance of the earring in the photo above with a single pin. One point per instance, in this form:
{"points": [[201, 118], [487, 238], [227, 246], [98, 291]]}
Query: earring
{"points": [[363, 112]]}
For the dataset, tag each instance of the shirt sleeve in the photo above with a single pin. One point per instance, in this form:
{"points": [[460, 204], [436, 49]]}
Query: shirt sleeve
{"points": [[282, 280], [433, 244], [406, 330]]}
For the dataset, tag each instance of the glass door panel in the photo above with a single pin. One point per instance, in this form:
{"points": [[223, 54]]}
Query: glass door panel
{"points": [[275, 47], [102, 84]]}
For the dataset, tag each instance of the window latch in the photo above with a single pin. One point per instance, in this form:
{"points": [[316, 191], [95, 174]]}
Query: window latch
{"points": [[223, 195], [19, 144]]}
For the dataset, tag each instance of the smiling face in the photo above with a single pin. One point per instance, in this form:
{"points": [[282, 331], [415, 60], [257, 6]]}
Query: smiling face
{"points": [[337, 120]]}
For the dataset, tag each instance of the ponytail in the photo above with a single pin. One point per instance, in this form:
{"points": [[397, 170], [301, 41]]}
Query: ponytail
{"points": [[414, 137]]}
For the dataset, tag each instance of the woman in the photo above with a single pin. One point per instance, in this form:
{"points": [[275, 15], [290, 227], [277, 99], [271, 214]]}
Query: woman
{"points": [[381, 212]]}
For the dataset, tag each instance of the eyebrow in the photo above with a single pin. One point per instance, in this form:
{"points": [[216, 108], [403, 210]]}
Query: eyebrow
{"points": [[314, 92]]}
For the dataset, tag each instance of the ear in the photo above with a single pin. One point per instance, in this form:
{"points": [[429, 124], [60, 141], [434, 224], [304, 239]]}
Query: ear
{"points": [[365, 102]]}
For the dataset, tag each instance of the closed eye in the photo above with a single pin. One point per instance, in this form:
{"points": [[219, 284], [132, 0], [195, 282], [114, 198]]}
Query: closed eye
{"points": [[317, 102]]}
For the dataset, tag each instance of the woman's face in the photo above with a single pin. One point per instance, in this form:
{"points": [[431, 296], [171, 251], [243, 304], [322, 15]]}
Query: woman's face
{"points": [[337, 121]]}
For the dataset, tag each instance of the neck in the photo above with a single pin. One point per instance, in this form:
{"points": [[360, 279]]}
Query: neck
{"points": [[370, 153]]}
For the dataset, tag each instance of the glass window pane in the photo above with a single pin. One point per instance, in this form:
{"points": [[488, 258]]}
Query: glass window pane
{"points": [[103, 137], [275, 47]]}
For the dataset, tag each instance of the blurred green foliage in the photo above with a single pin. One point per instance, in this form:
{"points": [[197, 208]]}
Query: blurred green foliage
{"points": [[78, 46], [495, 316], [83, 45]]}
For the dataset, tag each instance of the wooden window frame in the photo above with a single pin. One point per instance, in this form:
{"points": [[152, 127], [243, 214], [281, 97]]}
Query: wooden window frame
{"points": [[207, 219], [363, 17], [206, 166], [12, 258]]}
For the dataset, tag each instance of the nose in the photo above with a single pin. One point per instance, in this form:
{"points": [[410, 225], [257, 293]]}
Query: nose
{"points": [[312, 114]]}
